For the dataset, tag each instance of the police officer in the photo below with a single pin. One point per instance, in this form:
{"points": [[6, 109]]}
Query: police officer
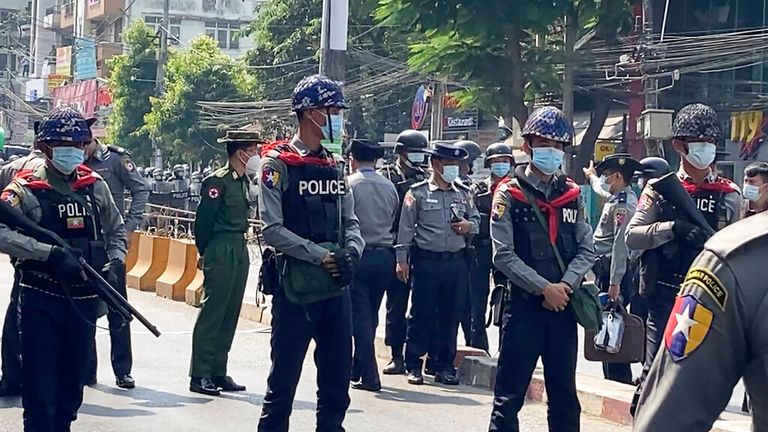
{"points": [[437, 217], [221, 222], [466, 165], [376, 205], [613, 273], [11, 342], [669, 242], [756, 188], [115, 166], [545, 256], [58, 307], [715, 335], [404, 172], [308, 218], [499, 159]]}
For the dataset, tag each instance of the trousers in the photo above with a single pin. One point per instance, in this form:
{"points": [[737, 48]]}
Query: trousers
{"points": [[121, 355], [473, 322], [396, 320], [329, 324], [11, 342]]}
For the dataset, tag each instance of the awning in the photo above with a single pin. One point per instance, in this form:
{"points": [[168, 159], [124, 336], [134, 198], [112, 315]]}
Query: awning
{"points": [[612, 130]]}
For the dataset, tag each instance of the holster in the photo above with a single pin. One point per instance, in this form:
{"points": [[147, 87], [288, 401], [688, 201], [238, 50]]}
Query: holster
{"points": [[470, 253], [269, 276]]}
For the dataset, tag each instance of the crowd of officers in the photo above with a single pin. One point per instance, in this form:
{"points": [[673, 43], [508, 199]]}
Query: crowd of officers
{"points": [[421, 232]]}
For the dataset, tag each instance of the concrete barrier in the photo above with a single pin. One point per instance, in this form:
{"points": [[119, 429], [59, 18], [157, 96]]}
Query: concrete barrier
{"points": [[151, 263], [133, 251], [180, 271], [194, 291]]}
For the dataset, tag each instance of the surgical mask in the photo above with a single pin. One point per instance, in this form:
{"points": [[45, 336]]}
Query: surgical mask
{"points": [[66, 159], [547, 159], [415, 157], [752, 192], [253, 167], [641, 183], [332, 126], [500, 169], [450, 173], [701, 154]]}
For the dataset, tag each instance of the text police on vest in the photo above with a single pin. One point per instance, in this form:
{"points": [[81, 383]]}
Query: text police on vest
{"points": [[71, 209], [322, 187]]}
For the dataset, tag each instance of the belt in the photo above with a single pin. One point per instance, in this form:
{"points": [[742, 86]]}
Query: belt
{"points": [[380, 248], [482, 242], [425, 254]]}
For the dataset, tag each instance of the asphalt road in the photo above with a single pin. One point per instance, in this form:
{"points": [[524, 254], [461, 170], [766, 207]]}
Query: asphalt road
{"points": [[162, 402]]}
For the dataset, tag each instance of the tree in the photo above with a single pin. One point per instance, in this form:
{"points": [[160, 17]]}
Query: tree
{"points": [[200, 73], [132, 82]]}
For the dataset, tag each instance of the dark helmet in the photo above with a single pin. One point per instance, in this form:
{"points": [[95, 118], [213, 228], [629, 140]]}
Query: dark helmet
{"points": [[497, 150], [473, 150], [697, 121], [65, 124], [411, 140], [317, 91], [550, 123], [653, 167]]}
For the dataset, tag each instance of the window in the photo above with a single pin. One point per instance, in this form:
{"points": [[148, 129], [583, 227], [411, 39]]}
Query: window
{"points": [[154, 21], [225, 33], [118, 30], [8, 61]]}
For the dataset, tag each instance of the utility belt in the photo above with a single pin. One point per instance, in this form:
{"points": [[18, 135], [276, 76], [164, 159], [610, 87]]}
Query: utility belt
{"points": [[419, 254], [47, 284], [378, 248], [478, 241]]}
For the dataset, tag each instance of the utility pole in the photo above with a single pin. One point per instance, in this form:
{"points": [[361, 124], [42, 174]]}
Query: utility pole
{"points": [[439, 89], [651, 85], [568, 69], [333, 39], [162, 58]]}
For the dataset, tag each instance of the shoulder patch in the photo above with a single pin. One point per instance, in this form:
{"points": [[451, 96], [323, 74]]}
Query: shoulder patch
{"points": [[129, 166], [646, 199], [10, 197], [214, 192], [270, 177], [409, 200], [706, 280], [619, 216], [688, 325]]}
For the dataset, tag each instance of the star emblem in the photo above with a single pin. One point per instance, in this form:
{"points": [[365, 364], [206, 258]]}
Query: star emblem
{"points": [[684, 323]]}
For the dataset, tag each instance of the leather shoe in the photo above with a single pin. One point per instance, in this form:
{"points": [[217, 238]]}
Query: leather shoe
{"points": [[9, 390], [429, 372], [415, 378], [227, 384], [125, 381], [395, 367], [204, 385], [447, 378], [361, 385]]}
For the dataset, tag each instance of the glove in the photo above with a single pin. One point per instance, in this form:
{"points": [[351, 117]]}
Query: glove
{"points": [[114, 273], [65, 263], [689, 233], [346, 263]]}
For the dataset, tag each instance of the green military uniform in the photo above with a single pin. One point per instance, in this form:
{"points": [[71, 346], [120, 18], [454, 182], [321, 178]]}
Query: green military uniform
{"points": [[220, 225]]}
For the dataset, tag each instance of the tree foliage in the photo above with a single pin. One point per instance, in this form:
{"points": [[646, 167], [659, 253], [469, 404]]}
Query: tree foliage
{"points": [[132, 82], [199, 73]]}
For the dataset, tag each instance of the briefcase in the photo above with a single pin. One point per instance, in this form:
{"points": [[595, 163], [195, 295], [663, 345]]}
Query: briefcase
{"points": [[632, 348]]}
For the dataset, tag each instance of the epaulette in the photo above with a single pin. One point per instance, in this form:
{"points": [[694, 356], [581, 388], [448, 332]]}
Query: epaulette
{"points": [[419, 184], [119, 150], [622, 197], [220, 173], [461, 185]]}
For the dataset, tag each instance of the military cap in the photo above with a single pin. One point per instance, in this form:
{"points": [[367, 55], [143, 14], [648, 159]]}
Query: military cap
{"points": [[365, 150], [447, 151], [241, 136], [621, 162]]}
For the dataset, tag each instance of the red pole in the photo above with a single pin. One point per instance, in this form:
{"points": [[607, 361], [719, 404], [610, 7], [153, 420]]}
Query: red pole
{"points": [[635, 144]]}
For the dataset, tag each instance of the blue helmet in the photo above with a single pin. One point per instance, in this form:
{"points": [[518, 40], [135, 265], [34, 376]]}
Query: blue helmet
{"points": [[317, 91], [65, 124], [550, 123]]}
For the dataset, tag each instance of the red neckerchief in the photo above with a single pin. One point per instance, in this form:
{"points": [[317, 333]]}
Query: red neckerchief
{"points": [[720, 185], [85, 178], [289, 156], [549, 208]]}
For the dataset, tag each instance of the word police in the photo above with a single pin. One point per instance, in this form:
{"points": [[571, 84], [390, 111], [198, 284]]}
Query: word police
{"points": [[71, 209], [322, 187]]}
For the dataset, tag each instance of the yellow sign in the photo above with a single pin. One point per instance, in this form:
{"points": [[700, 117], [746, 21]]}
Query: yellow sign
{"points": [[603, 149], [56, 81], [745, 125], [64, 60]]}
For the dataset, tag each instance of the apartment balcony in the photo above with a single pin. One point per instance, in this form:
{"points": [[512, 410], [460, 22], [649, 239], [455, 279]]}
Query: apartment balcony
{"points": [[67, 13], [102, 9], [104, 52], [52, 19]]}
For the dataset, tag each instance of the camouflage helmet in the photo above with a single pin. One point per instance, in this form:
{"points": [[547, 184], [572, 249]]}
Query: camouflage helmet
{"points": [[65, 124], [317, 91], [697, 121], [550, 123]]}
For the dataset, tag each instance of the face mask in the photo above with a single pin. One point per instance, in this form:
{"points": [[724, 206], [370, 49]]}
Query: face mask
{"points": [[752, 192], [66, 159], [332, 126], [701, 154], [253, 167], [547, 159], [450, 173], [415, 158], [641, 183], [500, 169]]}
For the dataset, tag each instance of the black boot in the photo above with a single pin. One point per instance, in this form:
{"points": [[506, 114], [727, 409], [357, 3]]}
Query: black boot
{"points": [[204, 385], [395, 367]]}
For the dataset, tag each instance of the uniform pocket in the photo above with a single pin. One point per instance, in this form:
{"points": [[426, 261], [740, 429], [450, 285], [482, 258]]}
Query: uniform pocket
{"points": [[540, 247]]}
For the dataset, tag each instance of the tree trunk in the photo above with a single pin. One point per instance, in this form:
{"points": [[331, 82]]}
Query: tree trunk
{"points": [[586, 149], [515, 77]]}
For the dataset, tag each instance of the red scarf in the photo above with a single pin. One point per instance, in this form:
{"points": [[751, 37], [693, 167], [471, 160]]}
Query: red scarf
{"points": [[549, 208], [84, 178], [289, 156], [720, 185]]}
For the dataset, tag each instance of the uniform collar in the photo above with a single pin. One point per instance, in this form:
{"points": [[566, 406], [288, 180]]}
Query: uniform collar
{"points": [[432, 185], [366, 169], [101, 153], [302, 148], [615, 196], [710, 178], [231, 171], [534, 180]]}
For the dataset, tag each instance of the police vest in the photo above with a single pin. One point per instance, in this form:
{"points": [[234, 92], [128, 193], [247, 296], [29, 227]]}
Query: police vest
{"points": [[310, 204], [532, 242], [483, 201], [74, 218], [401, 181]]}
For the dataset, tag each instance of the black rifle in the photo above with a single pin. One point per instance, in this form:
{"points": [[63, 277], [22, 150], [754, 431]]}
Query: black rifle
{"points": [[114, 300], [671, 189]]}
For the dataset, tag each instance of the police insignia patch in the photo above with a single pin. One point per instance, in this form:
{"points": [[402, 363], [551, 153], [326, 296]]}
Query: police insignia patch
{"points": [[645, 202], [408, 200], [270, 177], [214, 193], [706, 280], [10, 197], [129, 166], [687, 327], [498, 211], [620, 217]]}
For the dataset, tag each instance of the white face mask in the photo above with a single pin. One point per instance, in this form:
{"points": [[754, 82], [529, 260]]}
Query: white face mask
{"points": [[415, 158], [253, 167], [701, 154]]}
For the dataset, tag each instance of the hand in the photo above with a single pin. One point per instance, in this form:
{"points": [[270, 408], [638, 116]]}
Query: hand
{"points": [[461, 227], [114, 272], [329, 264], [66, 263], [590, 170], [557, 295], [689, 233], [346, 263], [613, 291], [403, 271]]}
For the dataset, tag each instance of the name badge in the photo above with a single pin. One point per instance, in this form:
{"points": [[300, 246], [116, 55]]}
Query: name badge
{"points": [[432, 200]]}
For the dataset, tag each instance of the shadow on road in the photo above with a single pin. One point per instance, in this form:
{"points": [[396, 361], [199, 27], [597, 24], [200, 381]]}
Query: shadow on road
{"points": [[102, 411], [153, 398], [400, 395], [10, 402]]}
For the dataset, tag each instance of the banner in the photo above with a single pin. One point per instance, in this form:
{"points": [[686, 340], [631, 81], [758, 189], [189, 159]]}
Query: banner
{"points": [[64, 60], [80, 96], [85, 59]]}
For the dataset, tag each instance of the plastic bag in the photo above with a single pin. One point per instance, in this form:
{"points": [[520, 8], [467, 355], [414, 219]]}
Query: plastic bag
{"points": [[609, 337]]}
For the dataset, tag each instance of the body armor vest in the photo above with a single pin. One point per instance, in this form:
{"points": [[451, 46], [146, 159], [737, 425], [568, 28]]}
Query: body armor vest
{"points": [[310, 204], [483, 201]]}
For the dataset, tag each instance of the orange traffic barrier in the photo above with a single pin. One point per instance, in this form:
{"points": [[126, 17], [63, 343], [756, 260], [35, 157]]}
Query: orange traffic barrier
{"points": [[153, 258], [133, 250], [194, 291], [180, 271]]}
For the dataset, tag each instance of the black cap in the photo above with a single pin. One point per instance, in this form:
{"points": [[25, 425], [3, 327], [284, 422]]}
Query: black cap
{"points": [[365, 150], [621, 162], [447, 151]]}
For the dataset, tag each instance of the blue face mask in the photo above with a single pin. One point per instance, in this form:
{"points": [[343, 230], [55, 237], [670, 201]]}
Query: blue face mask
{"points": [[751, 192], [66, 159], [547, 159], [500, 169], [450, 173], [332, 127]]}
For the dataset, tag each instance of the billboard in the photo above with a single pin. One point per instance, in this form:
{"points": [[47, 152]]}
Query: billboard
{"points": [[80, 96], [64, 61], [85, 59]]}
